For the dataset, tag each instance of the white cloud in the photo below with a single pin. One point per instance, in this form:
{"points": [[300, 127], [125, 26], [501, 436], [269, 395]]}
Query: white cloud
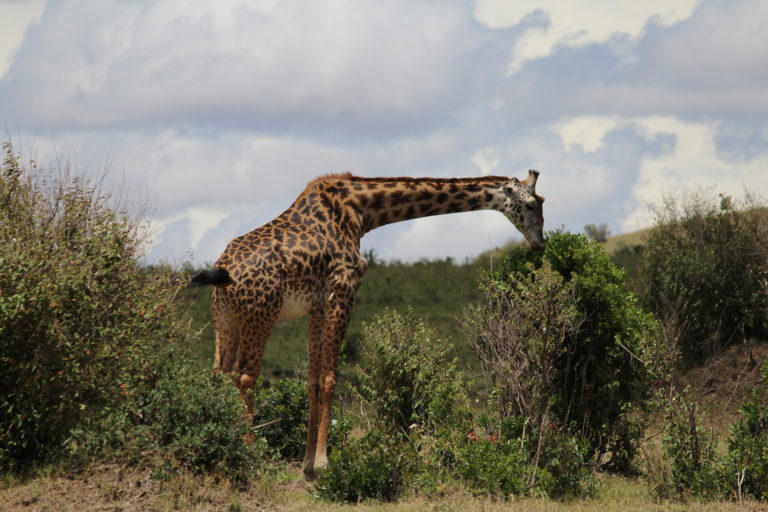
{"points": [[293, 63], [486, 160], [578, 23], [15, 18], [585, 131], [460, 235], [693, 165]]}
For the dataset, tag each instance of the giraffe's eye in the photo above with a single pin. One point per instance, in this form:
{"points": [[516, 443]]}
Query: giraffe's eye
{"points": [[530, 207]]}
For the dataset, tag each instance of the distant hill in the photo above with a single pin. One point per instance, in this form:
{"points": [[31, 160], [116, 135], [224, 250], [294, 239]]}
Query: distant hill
{"points": [[636, 238]]}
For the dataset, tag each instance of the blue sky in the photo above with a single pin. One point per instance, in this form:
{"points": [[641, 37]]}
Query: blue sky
{"points": [[220, 112]]}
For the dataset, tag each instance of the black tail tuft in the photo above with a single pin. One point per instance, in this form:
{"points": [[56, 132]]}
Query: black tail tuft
{"points": [[215, 276]]}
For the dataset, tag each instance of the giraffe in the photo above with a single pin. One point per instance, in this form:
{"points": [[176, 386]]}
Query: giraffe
{"points": [[307, 261]]}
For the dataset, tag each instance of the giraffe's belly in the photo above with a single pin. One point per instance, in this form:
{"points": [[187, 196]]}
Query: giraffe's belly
{"points": [[295, 305]]}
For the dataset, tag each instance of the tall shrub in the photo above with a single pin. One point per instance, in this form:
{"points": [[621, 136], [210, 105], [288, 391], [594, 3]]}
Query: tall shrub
{"points": [[520, 333], [407, 377], [598, 379], [87, 337], [707, 260]]}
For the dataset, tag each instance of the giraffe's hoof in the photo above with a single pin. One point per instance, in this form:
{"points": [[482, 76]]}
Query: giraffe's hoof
{"points": [[309, 472]]}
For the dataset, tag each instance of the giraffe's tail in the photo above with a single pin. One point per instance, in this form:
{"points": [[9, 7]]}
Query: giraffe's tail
{"points": [[207, 277]]}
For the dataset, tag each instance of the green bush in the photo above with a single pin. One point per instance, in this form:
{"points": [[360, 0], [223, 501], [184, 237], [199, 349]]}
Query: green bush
{"points": [[696, 469], [746, 465], [87, 365], [375, 466], [74, 305], [175, 416], [689, 447], [599, 379], [407, 378], [743, 471], [706, 264], [499, 468], [520, 332]]}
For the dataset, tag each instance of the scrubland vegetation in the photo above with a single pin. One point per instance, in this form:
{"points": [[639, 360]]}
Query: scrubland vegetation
{"points": [[562, 379]]}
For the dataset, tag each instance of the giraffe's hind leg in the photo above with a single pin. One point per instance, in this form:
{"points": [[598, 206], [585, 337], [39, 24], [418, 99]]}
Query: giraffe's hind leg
{"points": [[256, 317], [227, 332]]}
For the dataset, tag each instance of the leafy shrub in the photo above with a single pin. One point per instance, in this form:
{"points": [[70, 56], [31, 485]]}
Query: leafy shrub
{"points": [[87, 365], [375, 466], [499, 468], [282, 408], [746, 465], [408, 378], [177, 416], [74, 307], [520, 333], [696, 469], [598, 378], [285, 403], [566, 471], [689, 446], [708, 262], [504, 467]]}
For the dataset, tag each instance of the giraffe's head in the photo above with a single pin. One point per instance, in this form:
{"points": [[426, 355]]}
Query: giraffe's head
{"points": [[523, 207]]}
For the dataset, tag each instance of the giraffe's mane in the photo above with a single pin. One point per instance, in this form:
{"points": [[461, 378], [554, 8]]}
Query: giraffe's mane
{"points": [[332, 176], [402, 179]]}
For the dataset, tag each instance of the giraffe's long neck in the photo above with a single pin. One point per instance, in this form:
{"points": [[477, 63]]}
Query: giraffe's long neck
{"points": [[383, 201]]}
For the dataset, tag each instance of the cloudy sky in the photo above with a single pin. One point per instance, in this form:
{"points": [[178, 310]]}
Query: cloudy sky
{"points": [[220, 111]]}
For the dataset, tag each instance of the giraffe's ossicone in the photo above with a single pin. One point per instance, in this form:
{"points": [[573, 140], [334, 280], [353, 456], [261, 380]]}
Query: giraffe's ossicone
{"points": [[307, 262]]}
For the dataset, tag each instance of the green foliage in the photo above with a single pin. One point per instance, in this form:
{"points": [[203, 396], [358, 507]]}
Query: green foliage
{"points": [[87, 364], [499, 468], [695, 468], [688, 444], [506, 466], [174, 417], [565, 471], [706, 262], [375, 466], [598, 379], [743, 470], [746, 464], [520, 333], [285, 403], [408, 378], [282, 408], [73, 304], [597, 233]]}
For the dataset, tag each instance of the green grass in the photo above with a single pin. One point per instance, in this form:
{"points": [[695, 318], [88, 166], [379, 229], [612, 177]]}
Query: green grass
{"points": [[437, 291]]}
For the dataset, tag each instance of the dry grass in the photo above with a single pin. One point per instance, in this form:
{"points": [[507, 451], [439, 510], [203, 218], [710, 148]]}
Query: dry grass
{"points": [[116, 488]]}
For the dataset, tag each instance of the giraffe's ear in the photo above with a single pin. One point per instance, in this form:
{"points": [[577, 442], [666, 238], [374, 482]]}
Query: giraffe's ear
{"points": [[533, 175]]}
